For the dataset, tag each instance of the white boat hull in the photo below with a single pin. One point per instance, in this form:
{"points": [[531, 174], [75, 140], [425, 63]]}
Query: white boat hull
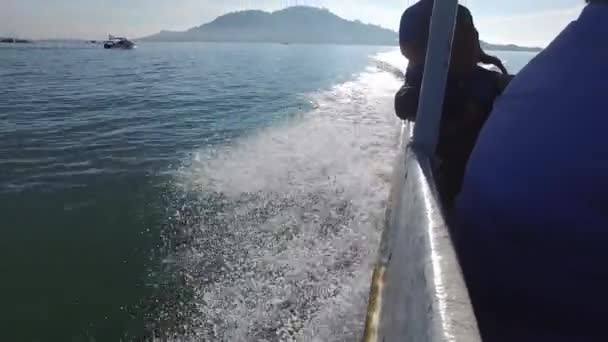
{"points": [[418, 292]]}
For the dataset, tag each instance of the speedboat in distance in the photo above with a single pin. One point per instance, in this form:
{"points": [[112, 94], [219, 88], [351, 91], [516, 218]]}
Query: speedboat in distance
{"points": [[118, 43]]}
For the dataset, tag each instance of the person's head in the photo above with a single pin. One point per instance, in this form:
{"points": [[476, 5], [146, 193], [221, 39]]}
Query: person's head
{"points": [[466, 49], [414, 31]]}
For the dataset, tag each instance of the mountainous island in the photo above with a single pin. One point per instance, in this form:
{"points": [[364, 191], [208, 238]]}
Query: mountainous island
{"points": [[299, 24], [508, 47]]}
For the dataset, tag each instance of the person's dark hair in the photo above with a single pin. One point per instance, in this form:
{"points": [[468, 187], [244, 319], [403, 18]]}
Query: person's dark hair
{"points": [[466, 49]]}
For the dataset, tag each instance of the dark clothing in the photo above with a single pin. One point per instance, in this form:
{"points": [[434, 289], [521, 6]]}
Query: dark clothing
{"points": [[468, 101], [533, 211]]}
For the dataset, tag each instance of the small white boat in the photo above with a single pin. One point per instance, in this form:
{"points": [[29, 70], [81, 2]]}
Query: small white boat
{"points": [[118, 43]]}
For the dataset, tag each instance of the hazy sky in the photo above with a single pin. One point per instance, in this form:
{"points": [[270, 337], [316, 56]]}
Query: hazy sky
{"points": [[530, 22]]}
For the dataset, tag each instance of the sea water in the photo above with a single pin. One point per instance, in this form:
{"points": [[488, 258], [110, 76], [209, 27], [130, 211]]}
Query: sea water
{"points": [[220, 192]]}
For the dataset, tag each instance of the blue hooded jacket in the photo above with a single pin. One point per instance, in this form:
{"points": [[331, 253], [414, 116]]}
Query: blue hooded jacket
{"points": [[533, 211]]}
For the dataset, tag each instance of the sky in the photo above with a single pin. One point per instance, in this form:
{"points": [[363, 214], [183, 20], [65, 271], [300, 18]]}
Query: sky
{"points": [[524, 22]]}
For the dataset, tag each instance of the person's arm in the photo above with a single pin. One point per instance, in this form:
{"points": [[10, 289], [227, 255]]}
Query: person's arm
{"points": [[406, 102]]}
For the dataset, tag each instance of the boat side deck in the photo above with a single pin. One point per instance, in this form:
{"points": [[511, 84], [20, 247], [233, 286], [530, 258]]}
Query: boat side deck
{"points": [[418, 292]]}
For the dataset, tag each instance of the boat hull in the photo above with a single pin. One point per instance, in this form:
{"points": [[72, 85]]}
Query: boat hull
{"points": [[125, 45], [418, 292]]}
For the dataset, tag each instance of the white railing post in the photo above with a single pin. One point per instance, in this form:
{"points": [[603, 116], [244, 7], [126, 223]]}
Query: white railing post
{"points": [[430, 105]]}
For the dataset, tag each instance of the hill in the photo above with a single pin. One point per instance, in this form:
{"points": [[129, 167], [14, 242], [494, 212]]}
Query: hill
{"points": [[298, 24], [508, 47]]}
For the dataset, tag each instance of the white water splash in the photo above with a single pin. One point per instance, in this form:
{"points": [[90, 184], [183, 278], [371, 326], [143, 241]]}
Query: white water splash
{"points": [[292, 221]]}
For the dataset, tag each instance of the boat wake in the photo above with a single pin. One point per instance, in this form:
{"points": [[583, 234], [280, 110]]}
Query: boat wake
{"points": [[274, 237]]}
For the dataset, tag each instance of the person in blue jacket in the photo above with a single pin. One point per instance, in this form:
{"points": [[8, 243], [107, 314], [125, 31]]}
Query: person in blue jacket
{"points": [[533, 211], [470, 94]]}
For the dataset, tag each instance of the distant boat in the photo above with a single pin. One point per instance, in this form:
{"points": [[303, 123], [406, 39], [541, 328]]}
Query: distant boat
{"points": [[118, 43], [14, 41]]}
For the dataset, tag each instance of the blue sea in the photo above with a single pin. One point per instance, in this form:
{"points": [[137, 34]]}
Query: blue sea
{"points": [[190, 192]]}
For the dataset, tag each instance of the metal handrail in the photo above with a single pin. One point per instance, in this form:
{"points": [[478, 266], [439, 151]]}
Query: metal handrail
{"points": [[437, 63]]}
